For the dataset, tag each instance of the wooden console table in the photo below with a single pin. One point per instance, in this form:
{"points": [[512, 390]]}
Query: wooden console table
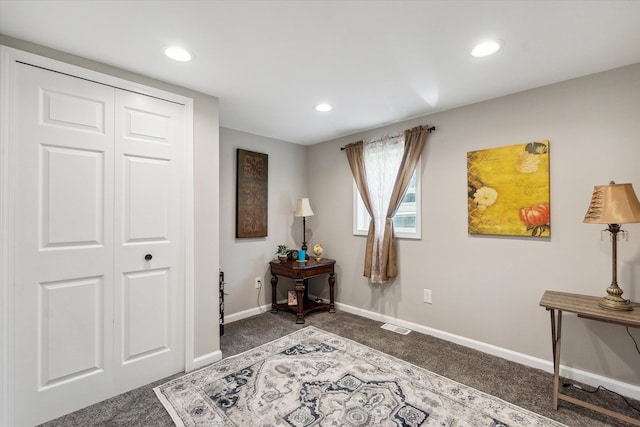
{"points": [[301, 272], [586, 307]]}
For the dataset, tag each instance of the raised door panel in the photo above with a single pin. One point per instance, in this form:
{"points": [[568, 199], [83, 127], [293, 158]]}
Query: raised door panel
{"points": [[72, 205], [147, 184], [146, 332], [70, 110], [71, 324]]}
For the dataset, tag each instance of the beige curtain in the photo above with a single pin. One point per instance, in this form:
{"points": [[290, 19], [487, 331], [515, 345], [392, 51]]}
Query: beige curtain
{"points": [[414, 141], [355, 156]]}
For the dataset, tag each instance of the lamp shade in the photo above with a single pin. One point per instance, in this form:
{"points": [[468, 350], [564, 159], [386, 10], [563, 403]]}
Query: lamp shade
{"points": [[613, 204], [303, 208]]}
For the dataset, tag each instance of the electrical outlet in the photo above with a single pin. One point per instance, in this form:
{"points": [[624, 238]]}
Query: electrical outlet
{"points": [[427, 296], [258, 282]]}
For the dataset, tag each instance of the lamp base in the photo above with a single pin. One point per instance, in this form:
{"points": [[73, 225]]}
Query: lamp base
{"points": [[614, 302]]}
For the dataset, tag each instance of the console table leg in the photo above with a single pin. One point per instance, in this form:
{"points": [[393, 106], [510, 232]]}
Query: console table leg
{"points": [[332, 282], [556, 330], [274, 286], [300, 293]]}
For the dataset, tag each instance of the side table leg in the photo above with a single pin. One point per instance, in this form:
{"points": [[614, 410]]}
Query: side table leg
{"points": [[274, 301], [556, 330], [332, 282], [300, 293]]}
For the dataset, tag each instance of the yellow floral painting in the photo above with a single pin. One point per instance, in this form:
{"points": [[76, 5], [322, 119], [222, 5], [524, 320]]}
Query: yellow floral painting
{"points": [[508, 190]]}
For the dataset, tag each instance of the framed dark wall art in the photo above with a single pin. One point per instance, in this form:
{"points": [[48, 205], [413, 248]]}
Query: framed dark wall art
{"points": [[252, 171]]}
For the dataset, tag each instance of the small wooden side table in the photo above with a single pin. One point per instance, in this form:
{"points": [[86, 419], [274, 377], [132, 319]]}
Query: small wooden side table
{"points": [[587, 307], [301, 272]]}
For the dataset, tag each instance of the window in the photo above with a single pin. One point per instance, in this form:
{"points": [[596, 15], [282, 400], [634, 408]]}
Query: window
{"points": [[406, 222]]}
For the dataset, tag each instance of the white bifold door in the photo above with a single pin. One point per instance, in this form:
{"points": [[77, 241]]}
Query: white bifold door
{"points": [[99, 242]]}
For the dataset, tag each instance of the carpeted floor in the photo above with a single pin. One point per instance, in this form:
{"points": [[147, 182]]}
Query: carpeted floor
{"points": [[526, 387]]}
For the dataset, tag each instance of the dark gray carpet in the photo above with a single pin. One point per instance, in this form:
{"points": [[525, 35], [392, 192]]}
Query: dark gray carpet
{"points": [[526, 387]]}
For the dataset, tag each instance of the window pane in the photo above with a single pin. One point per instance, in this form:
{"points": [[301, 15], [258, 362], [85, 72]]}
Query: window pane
{"points": [[405, 221], [409, 197]]}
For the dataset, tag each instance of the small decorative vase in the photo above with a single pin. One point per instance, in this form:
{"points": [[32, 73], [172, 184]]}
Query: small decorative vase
{"points": [[282, 258], [318, 250]]}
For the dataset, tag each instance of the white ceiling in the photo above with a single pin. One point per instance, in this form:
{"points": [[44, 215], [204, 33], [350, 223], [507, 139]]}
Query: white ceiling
{"points": [[376, 62]]}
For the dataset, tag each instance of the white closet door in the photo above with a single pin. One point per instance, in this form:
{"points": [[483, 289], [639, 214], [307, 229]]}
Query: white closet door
{"points": [[63, 243], [149, 313], [99, 179]]}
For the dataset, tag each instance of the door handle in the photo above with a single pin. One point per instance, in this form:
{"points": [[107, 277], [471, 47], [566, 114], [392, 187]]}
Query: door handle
{"points": [[148, 257]]}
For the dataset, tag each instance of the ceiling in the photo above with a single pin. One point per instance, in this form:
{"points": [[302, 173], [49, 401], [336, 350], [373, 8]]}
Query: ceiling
{"points": [[376, 62]]}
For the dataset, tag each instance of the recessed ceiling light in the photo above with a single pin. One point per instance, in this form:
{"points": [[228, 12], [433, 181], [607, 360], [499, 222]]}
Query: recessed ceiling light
{"points": [[177, 53], [487, 48], [323, 108]]}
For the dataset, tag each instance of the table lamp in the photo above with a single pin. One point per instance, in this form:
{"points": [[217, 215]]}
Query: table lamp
{"points": [[613, 204], [303, 210]]}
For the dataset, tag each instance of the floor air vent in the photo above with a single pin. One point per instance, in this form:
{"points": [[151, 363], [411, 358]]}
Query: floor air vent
{"points": [[396, 329]]}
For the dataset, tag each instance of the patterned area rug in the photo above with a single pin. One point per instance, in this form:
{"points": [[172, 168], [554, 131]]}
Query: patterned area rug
{"points": [[315, 378]]}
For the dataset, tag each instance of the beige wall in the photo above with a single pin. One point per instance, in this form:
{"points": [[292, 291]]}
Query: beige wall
{"points": [[488, 288], [205, 136], [243, 260]]}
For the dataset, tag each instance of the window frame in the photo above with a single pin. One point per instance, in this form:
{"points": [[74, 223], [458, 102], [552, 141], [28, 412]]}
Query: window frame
{"points": [[361, 217]]}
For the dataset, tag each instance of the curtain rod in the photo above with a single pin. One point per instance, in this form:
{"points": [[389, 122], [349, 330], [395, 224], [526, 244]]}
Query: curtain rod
{"points": [[430, 129]]}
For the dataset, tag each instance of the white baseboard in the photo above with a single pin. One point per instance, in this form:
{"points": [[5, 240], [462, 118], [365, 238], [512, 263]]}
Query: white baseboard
{"points": [[591, 379], [246, 313], [206, 359]]}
